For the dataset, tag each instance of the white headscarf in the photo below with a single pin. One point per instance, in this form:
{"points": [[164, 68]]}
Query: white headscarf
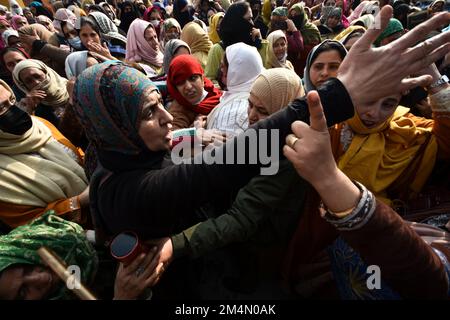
{"points": [[75, 63], [17, 10], [8, 33], [244, 65]]}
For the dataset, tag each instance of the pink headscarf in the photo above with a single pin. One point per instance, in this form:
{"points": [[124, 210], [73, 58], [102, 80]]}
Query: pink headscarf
{"points": [[4, 22], [138, 49], [345, 10], [14, 21], [363, 7], [64, 15]]}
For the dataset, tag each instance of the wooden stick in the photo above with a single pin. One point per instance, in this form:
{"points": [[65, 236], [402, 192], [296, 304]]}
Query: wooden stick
{"points": [[59, 267]]}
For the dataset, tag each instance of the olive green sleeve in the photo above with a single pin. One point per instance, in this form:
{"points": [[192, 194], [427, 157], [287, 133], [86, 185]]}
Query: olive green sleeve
{"points": [[263, 53], [264, 198], [213, 63]]}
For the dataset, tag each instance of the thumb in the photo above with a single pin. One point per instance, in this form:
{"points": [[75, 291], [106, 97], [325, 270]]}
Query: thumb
{"points": [[377, 27], [317, 119]]}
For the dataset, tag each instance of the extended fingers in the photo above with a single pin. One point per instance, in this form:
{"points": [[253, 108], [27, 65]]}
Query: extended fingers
{"points": [[423, 50], [39, 94], [411, 83], [421, 31], [425, 61]]}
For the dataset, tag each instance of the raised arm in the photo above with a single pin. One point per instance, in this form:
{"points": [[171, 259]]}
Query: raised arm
{"points": [[374, 230], [193, 185]]}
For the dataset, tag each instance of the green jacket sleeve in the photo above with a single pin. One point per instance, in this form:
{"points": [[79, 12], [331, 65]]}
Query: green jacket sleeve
{"points": [[267, 206], [213, 63], [263, 53]]}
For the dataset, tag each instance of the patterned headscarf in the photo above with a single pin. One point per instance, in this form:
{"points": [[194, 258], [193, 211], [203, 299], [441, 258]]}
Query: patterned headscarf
{"points": [[170, 23], [309, 31], [365, 21], [108, 99], [107, 28], [86, 3], [280, 12], [66, 239], [335, 12]]}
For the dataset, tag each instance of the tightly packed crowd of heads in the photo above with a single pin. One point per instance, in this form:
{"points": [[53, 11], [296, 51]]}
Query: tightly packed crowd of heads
{"points": [[220, 149]]}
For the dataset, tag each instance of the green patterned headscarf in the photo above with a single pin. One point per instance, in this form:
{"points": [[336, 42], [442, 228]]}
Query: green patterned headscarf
{"points": [[66, 239], [309, 31], [393, 27], [280, 12]]}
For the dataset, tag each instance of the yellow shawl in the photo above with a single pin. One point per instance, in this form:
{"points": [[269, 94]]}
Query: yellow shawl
{"points": [[379, 156], [35, 170], [198, 41], [213, 22], [342, 37], [196, 38]]}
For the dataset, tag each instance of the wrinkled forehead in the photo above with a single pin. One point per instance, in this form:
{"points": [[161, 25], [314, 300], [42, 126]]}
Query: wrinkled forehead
{"points": [[150, 95]]}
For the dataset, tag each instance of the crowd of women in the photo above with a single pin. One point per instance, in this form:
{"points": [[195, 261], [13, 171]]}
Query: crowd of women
{"points": [[94, 97]]}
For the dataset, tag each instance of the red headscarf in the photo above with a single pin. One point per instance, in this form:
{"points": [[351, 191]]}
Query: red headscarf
{"points": [[183, 67]]}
